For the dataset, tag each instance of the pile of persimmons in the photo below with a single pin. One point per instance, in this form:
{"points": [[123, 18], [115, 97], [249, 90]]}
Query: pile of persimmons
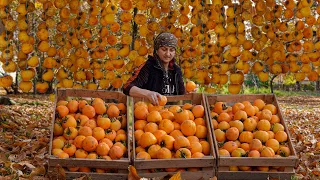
{"points": [[92, 130], [249, 130], [173, 131]]}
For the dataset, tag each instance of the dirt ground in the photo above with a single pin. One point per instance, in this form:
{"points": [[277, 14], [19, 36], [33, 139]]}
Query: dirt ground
{"points": [[25, 135]]}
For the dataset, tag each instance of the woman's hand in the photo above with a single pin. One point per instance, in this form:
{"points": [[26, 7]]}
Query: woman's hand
{"points": [[153, 97], [194, 90], [191, 87]]}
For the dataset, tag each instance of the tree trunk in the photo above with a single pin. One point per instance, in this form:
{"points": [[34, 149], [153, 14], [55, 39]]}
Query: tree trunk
{"points": [[284, 86], [2, 28], [271, 83], [15, 87], [317, 85], [134, 28], [298, 86]]}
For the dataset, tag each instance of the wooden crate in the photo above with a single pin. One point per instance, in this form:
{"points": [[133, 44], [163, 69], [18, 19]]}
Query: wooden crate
{"points": [[121, 164], [224, 162], [207, 163]]}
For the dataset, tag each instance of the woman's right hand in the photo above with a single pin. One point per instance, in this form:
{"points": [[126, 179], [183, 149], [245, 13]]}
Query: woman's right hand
{"points": [[153, 97]]}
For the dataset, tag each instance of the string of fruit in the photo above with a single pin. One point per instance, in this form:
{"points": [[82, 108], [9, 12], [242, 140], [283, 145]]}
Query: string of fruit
{"points": [[7, 52], [98, 44], [27, 64]]}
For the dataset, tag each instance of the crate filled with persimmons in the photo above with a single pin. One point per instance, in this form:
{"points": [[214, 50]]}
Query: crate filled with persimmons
{"points": [[170, 138], [251, 137], [90, 134]]}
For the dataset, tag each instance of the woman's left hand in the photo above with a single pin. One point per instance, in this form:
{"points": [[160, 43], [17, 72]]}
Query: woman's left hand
{"points": [[194, 90], [153, 97]]}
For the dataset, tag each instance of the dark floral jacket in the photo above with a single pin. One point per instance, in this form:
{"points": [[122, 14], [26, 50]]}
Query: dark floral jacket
{"points": [[151, 76]]}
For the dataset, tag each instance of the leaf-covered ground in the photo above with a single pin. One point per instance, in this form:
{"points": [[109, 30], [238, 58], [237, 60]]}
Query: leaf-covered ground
{"points": [[25, 135], [302, 115]]}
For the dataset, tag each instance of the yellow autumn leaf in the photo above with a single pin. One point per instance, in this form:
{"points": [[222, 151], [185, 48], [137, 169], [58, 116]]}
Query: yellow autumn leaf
{"points": [[52, 97], [38, 5]]}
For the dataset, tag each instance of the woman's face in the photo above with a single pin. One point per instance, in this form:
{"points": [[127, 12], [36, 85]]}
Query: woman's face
{"points": [[166, 53]]}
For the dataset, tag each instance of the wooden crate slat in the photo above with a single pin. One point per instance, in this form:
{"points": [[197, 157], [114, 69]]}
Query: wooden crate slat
{"points": [[208, 161], [268, 98], [62, 94], [93, 163], [290, 161], [196, 98], [293, 151], [111, 176], [251, 161], [253, 175], [185, 175], [174, 163], [53, 118]]}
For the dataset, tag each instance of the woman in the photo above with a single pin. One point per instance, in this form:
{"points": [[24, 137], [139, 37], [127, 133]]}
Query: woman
{"points": [[159, 75]]}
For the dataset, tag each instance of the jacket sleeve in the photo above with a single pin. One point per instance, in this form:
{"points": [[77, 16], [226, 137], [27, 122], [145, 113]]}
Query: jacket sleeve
{"points": [[182, 89], [138, 79]]}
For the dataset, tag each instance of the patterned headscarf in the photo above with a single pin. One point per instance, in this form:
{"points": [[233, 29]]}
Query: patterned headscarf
{"points": [[165, 39]]}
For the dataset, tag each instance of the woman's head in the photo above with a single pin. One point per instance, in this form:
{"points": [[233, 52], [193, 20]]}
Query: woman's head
{"points": [[165, 45]]}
